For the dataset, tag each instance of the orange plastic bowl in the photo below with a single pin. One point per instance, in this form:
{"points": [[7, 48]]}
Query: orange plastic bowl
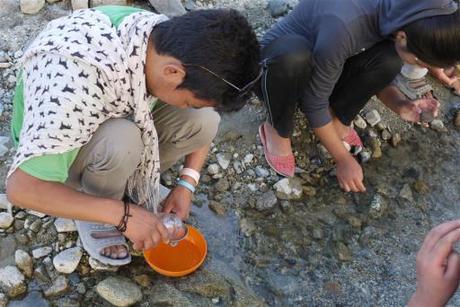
{"points": [[183, 259]]}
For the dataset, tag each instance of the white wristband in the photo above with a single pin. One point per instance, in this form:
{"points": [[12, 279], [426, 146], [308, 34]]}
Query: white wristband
{"points": [[191, 173]]}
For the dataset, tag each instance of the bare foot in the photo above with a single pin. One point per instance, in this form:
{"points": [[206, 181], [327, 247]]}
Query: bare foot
{"points": [[114, 252], [276, 144]]}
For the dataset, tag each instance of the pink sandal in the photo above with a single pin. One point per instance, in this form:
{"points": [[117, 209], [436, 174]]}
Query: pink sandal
{"points": [[353, 142], [283, 165]]}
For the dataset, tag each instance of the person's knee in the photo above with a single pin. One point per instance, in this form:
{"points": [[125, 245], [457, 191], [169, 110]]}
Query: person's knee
{"points": [[205, 123]]}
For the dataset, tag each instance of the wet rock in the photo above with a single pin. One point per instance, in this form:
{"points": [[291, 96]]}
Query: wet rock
{"points": [[266, 201], [33, 299], [36, 225], [355, 222], [143, 280], [119, 291], [41, 252], [438, 125], [24, 262], [223, 159], [364, 156], [60, 286], [207, 284], [377, 207], [343, 252], [64, 225], [41, 274], [386, 135], [67, 260], [6, 219], [376, 148], [3, 300], [373, 118], [317, 233], [360, 122], [170, 8], [406, 193], [421, 186], [395, 139], [31, 6], [164, 294], [213, 169], [457, 120], [247, 227], [12, 281], [94, 3], [262, 172], [308, 191], [243, 297], [283, 285], [217, 207], [289, 189], [67, 302], [222, 185], [99, 266], [277, 7]]}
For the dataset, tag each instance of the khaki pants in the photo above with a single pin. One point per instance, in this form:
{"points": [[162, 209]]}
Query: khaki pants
{"points": [[105, 163]]}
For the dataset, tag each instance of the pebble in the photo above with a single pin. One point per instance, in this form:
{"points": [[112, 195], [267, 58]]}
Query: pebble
{"points": [[317, 233], [213, 169], [3, 300], [376, 148], [238, 167], [41, 274], [248, 158], [308, 191], [12, 281], [119, 291], [99, 266], [36, 213], [406, 193], [223, 159], [395, 139], [24, 262], [377, 207], [438, 125], [373, 118], [6, 219], [266, 201], [364, 156], [60, 285], [343, 252], [36, 225], [41, 252], [31, 6], [421, 186], [360, 122], [386, 135], [5, 204], [64, 225], [217, 207], [143, 280], [457, 120], [262, 172], [222, 185], [67, 261], [277, 7], [289, 189], [247, 227]]}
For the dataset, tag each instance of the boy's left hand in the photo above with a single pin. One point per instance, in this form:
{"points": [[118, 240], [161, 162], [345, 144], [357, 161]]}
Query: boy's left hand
{"points": [[179, 202], [412, 110]]}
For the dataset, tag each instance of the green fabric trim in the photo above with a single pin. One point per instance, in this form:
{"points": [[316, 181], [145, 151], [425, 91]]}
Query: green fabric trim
{"points": [[117, 13], [18, 110]]}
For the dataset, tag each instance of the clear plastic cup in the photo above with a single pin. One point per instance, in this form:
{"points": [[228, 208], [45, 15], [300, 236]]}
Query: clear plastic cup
{"points": [[177, 230]]}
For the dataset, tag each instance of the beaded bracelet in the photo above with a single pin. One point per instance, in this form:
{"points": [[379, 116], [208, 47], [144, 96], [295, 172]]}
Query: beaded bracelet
{"points": [[124, 220]]}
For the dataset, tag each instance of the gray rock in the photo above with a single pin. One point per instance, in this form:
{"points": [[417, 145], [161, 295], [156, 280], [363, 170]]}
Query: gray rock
{"points": [[262, 172], [247, 227], [6, 219], [217, 207], [243, 297], [3, 300], [317, 233], [406, 193], [343, 252], [213, 169], [41, 274], [36, 225], [360, 122], [98, 266], [277, 7], [164, 294], [208, 284], [395, 139], [248, 158], [238, 167], [373, 118], [31, 6], [119, 291], [24, 262], [67, 260], [12, 281], [80, 4], [5, 204], [438, 125], [222, 185], [386, 135], [33, 299], [60, 285], [377, 207], [64, 225], [41, 252], [94, 3], [3, 150], [170, 8], [266, 201], [223, 159], [289, 189], [364, 156]]}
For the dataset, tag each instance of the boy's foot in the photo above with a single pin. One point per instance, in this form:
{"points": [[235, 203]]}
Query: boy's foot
{"points": [[353, 142], [114, 252], [277, 149]]}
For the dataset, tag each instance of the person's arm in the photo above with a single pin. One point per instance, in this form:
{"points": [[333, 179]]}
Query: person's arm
{"points": [[144, 228], [438, 267], [179, 199]]}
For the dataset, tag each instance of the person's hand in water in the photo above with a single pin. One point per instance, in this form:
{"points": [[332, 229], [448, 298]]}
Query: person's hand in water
{"points": [[438, 267], [420, 110], [179, 202], [350, 175]]}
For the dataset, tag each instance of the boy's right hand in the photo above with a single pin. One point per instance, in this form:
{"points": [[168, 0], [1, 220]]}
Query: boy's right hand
{"points": [[145, 229], [350, 175]]}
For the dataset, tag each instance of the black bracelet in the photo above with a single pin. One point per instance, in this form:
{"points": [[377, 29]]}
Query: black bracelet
{"points": [[124, 220]]}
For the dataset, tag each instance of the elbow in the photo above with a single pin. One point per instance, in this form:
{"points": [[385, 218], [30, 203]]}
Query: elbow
{"points": [[13, 189]]}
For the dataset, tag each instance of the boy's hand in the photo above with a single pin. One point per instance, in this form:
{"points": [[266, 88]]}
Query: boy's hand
{"points": [[145, 229], [350, 175], [412, 110], [178, 201], [438, 267], [445, 76]]}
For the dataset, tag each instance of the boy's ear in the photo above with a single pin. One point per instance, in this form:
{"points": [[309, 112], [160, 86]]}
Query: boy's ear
{"points": [[401, 38], [174, 73]]}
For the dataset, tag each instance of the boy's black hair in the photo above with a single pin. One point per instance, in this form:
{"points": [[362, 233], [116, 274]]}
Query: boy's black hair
{"points": [[435, 40], [220, 40]]}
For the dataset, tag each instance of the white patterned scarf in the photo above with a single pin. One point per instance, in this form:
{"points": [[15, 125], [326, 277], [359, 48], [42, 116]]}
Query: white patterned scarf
{"points": [[54, 125]]}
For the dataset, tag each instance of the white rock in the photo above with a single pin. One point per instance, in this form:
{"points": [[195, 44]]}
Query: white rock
{"points": [[67, 261], [5, 204], [24, 262], [373, 117], [288, 189], [42, 252], [248, 158], [31, 6], [438, 125], [223, 160], [94, 3], [64, 225], [262, 172], [238, 167], [213, 169], [6, 219], [3, 150], [359, 122], [119, 291], [36, 213], [170, 8], [12, 281], [79, 4], [99, 266]]}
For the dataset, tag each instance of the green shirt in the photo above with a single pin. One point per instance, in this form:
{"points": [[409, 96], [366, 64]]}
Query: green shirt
{"points": [[55, 167]]}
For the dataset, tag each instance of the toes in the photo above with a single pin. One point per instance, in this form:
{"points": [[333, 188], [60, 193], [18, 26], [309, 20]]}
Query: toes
{"points": [[115, 252], [122, 252]]}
